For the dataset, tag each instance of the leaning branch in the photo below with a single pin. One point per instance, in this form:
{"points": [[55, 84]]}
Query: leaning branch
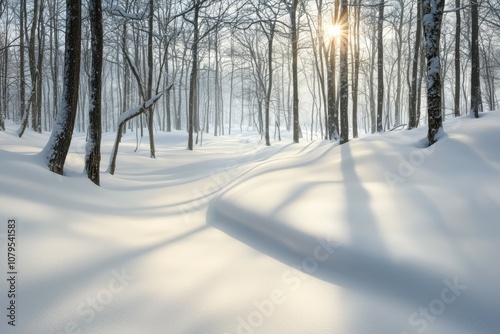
{"points": [[118, 11], [126, 116], [26, 110]]}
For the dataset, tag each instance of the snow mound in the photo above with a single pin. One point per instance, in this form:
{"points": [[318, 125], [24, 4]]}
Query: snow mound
{"points": [[387, 218]]}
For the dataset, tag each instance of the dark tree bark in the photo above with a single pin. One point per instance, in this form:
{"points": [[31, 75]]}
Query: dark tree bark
{"points": [[475, 98], [270, 39], [333, 114], [22, 77], [193, 80], [356, 63], [458, 23], [93, 154], [32, 60], [295, 84], [412, 108], [432, 18], [55, 59], [57, 148], [380, 67], [37, 111], [344, 70], [150, 80]]}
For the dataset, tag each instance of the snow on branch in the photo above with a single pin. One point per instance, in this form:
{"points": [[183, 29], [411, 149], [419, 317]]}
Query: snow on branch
{"points": [[119, 11], [138, 110], [129, 114]]}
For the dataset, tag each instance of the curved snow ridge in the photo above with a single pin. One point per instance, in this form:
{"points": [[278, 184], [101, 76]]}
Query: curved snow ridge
{"points": [[325, 256], [230, 216], [411, 284]]}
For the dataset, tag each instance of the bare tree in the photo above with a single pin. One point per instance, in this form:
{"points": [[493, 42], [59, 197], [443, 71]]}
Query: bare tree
{"points": [[458, 23], [356, 63], [432, 18], [295, 79], [93, 154], [57, 148], [415, 79], [344, 70], [380, 66], [149, 92], [475, 97]]}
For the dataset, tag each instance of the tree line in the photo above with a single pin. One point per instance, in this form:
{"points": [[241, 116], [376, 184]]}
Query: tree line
{"points": [[319, 68]]}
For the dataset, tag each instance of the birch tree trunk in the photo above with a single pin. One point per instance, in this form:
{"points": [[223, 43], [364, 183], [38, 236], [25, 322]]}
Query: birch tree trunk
{"points": [[432, 18]]}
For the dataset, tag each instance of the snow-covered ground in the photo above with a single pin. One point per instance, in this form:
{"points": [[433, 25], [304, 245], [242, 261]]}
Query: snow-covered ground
{"points": [[376, 236]]}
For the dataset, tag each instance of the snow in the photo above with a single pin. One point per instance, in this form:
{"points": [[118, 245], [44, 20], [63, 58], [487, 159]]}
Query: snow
{"points": [[380, 235], [135, 111]]}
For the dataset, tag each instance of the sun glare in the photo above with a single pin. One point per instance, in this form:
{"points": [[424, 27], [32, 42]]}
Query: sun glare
{"points": [[334, 30]]}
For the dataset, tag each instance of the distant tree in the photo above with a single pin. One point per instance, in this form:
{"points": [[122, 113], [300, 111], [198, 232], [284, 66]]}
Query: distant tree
{"points": [[333, 110], [193, 79], [268, 25], [412, 109], [356, 63], [344, 70], [475, 98], [295, 80], [432, 18], [458, 23], [149, 89], [57, 148], [380, 66]]}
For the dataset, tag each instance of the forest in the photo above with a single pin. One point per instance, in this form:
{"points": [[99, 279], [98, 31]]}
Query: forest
{"points": [[249, 166], [322, 69]]}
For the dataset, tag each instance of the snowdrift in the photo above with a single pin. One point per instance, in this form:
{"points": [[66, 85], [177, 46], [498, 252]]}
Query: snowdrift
{"points": [[387, 217]]}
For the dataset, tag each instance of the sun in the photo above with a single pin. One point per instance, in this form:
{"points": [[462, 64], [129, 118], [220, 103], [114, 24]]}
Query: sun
{"points": [[334, 30]]}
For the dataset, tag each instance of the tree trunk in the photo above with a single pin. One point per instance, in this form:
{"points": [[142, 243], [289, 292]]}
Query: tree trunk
{"points": [[57, 148], [355, 79], [194, 78], [295, 79], [149, 92], [22, 77], [37, 112], [474, 77], [458, 23], [32, 60], [344, 80], [412, 108], [93, 148], [270, 38], [432, 17], [380, 67]]}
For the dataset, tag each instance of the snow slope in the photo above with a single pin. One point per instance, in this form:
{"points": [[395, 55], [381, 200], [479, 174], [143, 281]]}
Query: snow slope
{"points": [[376, 236]]}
